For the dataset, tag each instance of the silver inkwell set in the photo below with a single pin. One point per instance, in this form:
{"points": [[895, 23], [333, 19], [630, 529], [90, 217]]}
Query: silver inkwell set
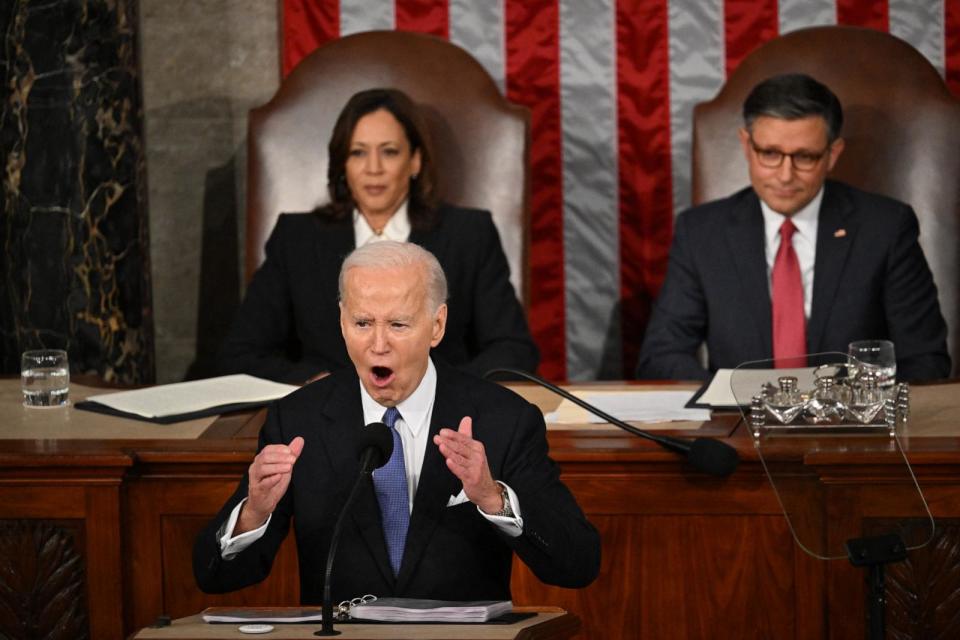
{"points": [[843, 397]]}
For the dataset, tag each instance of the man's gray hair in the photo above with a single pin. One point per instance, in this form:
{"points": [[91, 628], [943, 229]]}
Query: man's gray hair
{"points": [[388, 254]]}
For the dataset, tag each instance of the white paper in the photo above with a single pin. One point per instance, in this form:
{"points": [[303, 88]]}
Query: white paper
{"points": [[196, 395], [276, 614], [413, 610], [732, 387], [629, 406]]}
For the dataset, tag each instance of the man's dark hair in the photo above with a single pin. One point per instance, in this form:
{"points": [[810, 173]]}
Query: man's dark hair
{"points": [[792, 96], [422, 200]]}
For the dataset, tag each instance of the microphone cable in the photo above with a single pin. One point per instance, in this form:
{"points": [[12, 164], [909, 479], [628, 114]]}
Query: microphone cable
{"points": [[704, 454]]}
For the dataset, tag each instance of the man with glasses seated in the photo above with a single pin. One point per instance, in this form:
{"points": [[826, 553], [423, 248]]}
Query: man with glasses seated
{"points": [[795, 263]]}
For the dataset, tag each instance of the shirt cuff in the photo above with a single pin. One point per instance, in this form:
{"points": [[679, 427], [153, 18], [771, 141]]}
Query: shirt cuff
{"points": [[510, 526], [231, 545]]}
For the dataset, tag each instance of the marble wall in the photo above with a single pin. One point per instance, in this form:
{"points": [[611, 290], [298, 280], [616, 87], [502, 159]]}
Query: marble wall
{"points": [[75, 262], [205, 64], [88, 135]]}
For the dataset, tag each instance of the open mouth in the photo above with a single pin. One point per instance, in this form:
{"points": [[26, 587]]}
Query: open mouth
{"points": [[382, 376]]}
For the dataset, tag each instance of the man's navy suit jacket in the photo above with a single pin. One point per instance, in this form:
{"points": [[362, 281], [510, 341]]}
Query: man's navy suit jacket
{"points": [[871, 281], [452, 553], [288, 327]]}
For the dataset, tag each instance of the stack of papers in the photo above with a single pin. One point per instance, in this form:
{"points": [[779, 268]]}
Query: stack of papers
{"points": [[411, 610], [188, 400], [272, 614]]}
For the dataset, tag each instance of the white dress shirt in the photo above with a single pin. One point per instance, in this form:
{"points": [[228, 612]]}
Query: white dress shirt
{"points": [[414, 429], [397, 228], [804, 243]]}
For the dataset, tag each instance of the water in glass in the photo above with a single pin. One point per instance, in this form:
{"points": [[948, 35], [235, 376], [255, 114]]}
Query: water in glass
{"points": [[45, 378]]}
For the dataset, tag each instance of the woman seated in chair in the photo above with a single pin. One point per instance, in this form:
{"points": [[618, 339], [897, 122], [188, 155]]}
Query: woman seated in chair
{"points": [[382, 186]]}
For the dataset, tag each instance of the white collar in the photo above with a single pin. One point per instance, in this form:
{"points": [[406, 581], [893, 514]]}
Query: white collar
{"points": [[415, 410], [397, 227], [806, 220]]}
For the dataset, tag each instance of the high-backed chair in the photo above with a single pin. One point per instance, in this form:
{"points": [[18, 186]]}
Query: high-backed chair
{"points": [[480, 140], [901, 127]]}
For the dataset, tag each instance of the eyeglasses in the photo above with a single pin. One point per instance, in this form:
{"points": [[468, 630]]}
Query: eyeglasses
{"points": [[801, 160]]}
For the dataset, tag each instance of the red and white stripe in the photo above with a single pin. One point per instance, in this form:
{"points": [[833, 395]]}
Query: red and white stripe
{"points": [[611, 86]]}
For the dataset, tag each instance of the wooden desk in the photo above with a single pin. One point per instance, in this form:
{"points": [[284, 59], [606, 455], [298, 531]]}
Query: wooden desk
{"points": [[550, 623], [684, 555]]}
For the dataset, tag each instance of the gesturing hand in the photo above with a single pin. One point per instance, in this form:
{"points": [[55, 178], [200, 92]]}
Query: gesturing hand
{"points": [[269, 476], [467, 459]]}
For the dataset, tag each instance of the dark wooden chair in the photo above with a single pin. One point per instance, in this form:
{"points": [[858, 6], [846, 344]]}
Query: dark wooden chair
{"points": [[901, 127], [480, 140]]}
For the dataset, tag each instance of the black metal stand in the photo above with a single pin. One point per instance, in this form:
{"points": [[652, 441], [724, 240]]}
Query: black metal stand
{"points": [[326, 628], [874, 553]]}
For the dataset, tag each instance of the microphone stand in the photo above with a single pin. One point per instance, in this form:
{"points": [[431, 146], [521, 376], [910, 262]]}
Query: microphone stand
{"points": [[873, 553], [326, 628], [671, 444]]}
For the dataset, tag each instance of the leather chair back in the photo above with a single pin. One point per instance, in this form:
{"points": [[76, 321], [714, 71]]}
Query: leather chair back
{"points": [[901, 128], [479, 139]]}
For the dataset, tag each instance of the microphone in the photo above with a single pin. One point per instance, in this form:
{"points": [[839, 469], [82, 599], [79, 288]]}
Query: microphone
{"points": [[375, 447], [704, 454], [373, 450]]}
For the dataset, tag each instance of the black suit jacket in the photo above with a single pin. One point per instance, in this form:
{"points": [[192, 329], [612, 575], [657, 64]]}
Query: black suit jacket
{"points": [[871, 281], [452, 553], [288, 327]]}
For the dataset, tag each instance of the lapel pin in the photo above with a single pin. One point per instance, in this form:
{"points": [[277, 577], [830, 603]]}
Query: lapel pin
{"points": [[840, 233]]}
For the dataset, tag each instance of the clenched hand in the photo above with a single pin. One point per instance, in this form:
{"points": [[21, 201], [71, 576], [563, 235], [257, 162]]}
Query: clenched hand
{"points": [[269, 476]]}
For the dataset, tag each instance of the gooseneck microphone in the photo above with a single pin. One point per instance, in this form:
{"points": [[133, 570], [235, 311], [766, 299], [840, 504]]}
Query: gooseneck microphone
{"points": [[374, 450], [704, 454]]}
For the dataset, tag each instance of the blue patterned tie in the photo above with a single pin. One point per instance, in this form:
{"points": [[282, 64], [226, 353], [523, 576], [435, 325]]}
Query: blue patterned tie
{"points": [[390, 483]]}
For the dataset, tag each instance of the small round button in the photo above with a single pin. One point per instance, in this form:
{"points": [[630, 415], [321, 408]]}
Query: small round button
{"points": [[256, 628]]}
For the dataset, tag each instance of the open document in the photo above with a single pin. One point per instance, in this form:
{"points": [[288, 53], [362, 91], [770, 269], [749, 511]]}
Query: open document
{"points": [[167, 403], [631, 406]]}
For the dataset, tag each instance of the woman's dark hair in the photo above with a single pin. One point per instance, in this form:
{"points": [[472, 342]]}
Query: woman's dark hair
{"points": [[422, 199], [792, 96]]}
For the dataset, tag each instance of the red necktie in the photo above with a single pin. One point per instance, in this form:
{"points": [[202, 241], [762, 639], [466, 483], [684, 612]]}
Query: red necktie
{"points": [[789, 323]]}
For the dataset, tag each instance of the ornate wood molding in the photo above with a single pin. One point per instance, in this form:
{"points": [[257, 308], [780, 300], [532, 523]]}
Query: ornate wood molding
{"points": [[42, 582], [923, 592]]}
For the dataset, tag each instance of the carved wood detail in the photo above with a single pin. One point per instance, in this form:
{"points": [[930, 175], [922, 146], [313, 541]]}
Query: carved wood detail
{"points": [[42, 582], [923, 592]]}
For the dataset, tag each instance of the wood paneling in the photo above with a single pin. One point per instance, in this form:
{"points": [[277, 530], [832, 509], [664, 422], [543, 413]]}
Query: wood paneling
{"points": [[684, 555], [94, 534], [165, 517], [180, 593], [701, 574]]}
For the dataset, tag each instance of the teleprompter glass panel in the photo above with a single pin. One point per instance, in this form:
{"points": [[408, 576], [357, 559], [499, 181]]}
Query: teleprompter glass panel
{"points": [[828, 440]]}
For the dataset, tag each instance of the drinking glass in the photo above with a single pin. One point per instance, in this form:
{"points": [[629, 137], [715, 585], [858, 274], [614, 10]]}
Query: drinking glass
{"points": [[876, 356], [45, 378]]}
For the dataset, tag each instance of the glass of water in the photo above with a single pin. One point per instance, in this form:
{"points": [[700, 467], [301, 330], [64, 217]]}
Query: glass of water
{"points": [[45, 378], [876, 356]]}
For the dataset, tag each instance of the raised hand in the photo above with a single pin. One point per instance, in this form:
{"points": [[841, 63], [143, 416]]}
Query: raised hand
{"points": [[467, 459], [269, 476]]}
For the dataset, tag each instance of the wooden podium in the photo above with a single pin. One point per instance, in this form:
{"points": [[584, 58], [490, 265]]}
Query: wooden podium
{"points": [[548, 623], [110, 508]]}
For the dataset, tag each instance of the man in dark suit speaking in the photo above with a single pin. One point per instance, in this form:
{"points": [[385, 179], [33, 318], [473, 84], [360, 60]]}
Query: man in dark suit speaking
{"points": [[795, 263], [469, 482]]}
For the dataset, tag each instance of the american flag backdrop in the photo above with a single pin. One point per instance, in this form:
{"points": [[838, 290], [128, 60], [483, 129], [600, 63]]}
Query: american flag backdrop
{"points": [[611, 86]]}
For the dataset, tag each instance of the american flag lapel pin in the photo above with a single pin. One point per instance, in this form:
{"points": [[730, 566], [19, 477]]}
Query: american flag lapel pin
{"points": [[840, 233]]}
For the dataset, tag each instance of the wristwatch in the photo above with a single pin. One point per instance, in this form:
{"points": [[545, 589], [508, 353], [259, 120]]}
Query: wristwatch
{"points": [[507, 510]]}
